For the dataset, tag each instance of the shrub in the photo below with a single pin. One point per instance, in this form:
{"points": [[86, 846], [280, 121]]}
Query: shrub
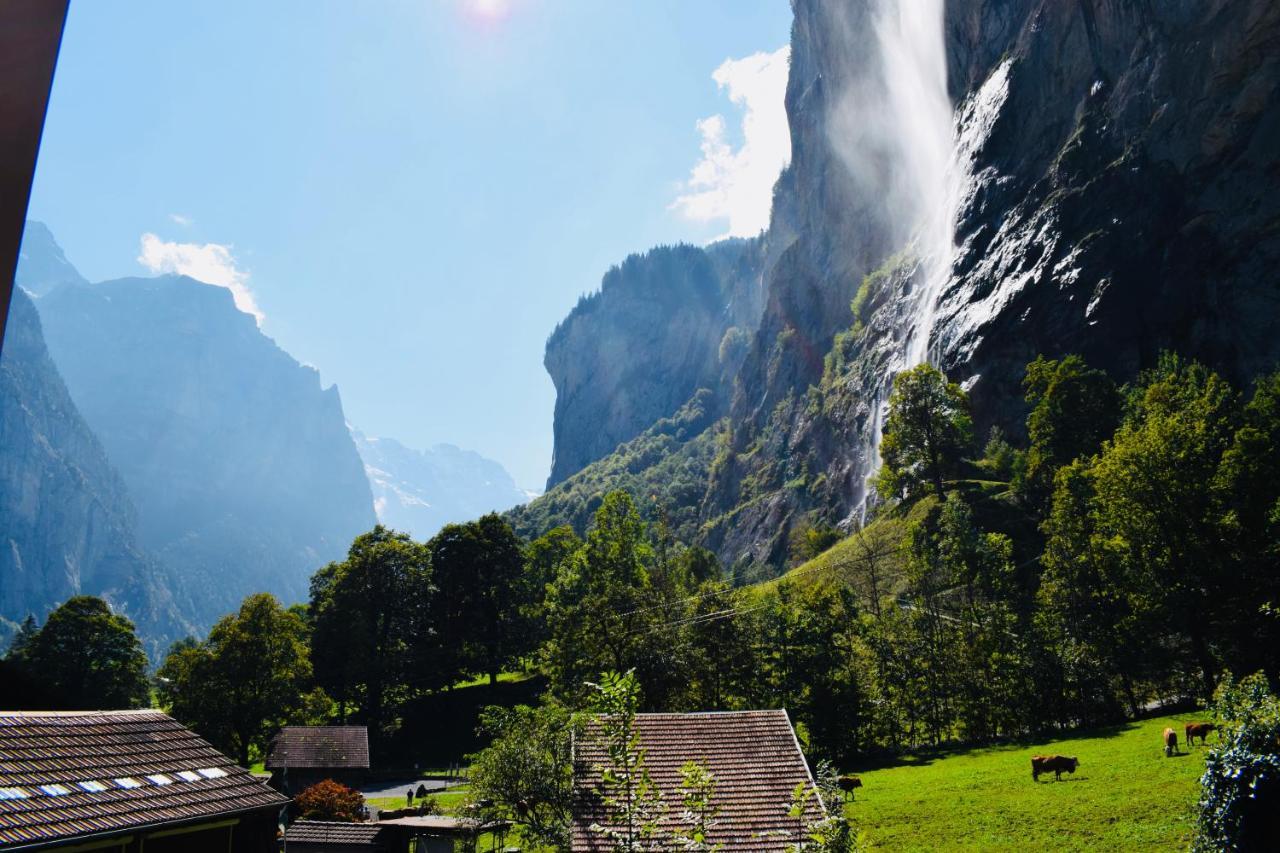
{"points": [[1239, 805], [330, 800]]}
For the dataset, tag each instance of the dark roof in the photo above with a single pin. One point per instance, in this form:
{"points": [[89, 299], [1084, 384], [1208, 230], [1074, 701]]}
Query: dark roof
{"points": [[96, 769], [753, 757], [333, 832], [324, 747]]}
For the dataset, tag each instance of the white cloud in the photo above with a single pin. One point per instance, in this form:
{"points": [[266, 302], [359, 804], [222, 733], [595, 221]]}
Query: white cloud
{"points": [[184, 221], [738, 185], [211, 263]]}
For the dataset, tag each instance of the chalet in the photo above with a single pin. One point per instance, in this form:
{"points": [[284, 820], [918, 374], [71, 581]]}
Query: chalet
{"points": [[321, 836], [753, 757], [300, 756], [123, 781]]}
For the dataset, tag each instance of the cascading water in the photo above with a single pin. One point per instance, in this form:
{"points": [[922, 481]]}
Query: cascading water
{"points": [[913, 54]]}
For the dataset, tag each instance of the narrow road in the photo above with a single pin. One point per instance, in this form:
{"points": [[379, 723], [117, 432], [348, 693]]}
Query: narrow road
{"points": [[398, 789]]}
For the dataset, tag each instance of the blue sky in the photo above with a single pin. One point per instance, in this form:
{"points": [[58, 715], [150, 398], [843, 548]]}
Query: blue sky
{"points": [[411, 194]]}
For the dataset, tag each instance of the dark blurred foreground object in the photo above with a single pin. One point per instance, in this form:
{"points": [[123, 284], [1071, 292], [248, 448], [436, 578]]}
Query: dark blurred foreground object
{"points": [[30, 32]]}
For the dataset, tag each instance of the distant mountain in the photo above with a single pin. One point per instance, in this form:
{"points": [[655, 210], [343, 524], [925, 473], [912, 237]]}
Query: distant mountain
{"points": [[420, 491], [42, 266], [240, 464], [68, 524]]}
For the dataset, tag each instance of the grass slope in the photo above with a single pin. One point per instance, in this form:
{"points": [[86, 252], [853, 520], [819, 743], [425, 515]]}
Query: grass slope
{"points": [[1126, 795]]}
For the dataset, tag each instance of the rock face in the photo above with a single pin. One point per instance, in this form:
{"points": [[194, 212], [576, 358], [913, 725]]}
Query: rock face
{"points": [[637, 349], [68, 524], [420, 491], [42, 266], [241, 466], [1117, 193]]}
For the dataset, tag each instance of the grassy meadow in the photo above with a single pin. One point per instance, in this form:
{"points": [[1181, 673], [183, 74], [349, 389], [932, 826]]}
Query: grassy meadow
{"points": [[1126, 795]]}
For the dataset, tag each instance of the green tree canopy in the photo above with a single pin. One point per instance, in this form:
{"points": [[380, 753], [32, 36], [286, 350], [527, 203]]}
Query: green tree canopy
{"points": [[370, 632], [246, 680], [1074, 409], [85, 656], [484, 602], [926, 434]]}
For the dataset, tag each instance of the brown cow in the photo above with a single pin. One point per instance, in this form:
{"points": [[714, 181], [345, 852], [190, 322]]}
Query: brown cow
{"points": [[1200, 730], [1055, 764], [1170, 742], [847, 784]]}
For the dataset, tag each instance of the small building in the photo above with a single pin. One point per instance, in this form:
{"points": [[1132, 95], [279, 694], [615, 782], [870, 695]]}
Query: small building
{"points": [[126, 781], [419, 834], [753, 757], [300, 756], [322, 836]]}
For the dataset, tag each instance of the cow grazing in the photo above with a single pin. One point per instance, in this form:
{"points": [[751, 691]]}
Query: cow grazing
{"points": [[1200, 730], [1170, 742], [1055, 764], [848, 783]]}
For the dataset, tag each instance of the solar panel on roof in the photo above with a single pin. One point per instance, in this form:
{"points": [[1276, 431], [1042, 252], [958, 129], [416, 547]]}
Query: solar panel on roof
{"points": [[55, 790], [189, 776], [212, 772], [12, 794], [92, 787], [127, 782], [160, 779]]}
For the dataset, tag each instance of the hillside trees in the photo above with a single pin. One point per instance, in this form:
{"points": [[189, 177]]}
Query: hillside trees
{"points": [[246, 680], [484, 599], [926, 434], [369, 629], [84, 657]]}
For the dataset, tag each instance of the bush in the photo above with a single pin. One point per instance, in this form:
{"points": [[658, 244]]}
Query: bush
{"points": [[1239, 805], [330, 800]]}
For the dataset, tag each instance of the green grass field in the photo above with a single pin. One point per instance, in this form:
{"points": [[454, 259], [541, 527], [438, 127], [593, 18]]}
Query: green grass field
{"points": [[1126, 795]]}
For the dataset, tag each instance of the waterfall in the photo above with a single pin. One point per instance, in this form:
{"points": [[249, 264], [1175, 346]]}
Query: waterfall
{"points": [[913, 56]]}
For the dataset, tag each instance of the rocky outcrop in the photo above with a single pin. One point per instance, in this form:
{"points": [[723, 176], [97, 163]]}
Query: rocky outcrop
{"points": [[637, 349], [240, 464], [68, 524], [1118, 193], [420, 491], [42, 266]]}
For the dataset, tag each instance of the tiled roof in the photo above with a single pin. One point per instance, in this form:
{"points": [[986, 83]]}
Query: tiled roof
{"points": [[344, 747], [77, 774], [332, 832], [753, 757]]}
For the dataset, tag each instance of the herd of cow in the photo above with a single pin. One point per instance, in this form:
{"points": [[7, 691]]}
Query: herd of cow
{"points": [[1059, 764]]}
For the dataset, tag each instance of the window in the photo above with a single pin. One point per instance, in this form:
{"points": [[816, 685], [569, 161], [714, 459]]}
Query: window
{"points": [[55, 790], [128, 782], [12, 794], [212, 772], [160, 779], [188, 776], [92, 787]]}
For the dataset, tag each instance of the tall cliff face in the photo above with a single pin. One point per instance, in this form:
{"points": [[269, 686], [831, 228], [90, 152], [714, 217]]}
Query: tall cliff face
{"points": [[68, 525], [420, 491], [637, 350], [1113, 190], [241, 466]]}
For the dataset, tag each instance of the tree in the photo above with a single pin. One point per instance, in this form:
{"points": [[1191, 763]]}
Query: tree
{"points": [[485, 600], [926, 434], [1154, 497], [1074, 409], [330, 800], [633, 802], [370, 627], [697, 818], [527, 769], [86, 657], [603, 612], [1240, 788], [246, 680]]}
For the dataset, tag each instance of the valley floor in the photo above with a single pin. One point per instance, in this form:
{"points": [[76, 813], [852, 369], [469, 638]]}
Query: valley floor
{"points": [[1126, 795]]}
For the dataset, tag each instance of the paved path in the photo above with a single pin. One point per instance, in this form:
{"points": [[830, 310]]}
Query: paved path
{"points": [[397, 789]]}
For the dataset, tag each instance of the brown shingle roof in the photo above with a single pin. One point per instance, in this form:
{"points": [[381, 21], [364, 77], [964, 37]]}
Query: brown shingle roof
{"points": [[323, 747], [332, 832], [752, 755], [62, 750]]}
